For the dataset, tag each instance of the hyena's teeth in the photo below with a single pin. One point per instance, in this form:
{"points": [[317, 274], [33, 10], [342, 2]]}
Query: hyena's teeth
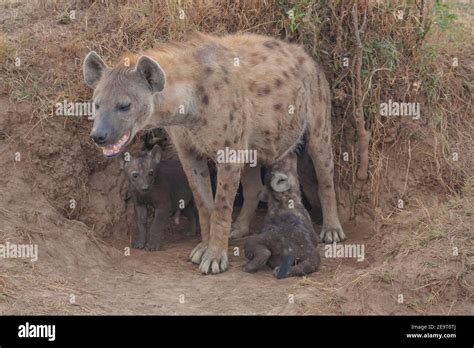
{"points": [[115, 148]]}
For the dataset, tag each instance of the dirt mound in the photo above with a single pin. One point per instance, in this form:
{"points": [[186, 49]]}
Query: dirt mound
{"points": [[66, 248]]}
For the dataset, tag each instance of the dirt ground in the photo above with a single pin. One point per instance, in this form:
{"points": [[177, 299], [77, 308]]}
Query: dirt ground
{"points": [[101, 279], [418, 260]]}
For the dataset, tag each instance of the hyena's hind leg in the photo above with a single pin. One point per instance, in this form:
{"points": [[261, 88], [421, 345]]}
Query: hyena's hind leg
{"points": [[319, 148], [251, 186]]}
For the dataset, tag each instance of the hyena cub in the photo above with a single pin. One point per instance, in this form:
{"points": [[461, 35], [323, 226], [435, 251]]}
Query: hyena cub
{"points": [[163, 186], [288, 242]]}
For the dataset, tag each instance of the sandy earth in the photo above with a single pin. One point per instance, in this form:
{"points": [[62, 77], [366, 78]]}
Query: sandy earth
{"points": [[104, 280]]}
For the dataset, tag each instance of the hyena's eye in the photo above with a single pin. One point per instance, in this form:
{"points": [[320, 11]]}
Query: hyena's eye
{"points": [[123, 107], [150, 173], [135, 175], [96, 106]]}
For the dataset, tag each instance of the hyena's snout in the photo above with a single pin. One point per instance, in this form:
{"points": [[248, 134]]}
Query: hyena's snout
{"points": [[109, 139], [99, 136]]}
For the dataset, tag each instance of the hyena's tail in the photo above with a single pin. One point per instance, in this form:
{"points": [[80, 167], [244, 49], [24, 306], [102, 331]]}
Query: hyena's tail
{"points": [[286, 262]]}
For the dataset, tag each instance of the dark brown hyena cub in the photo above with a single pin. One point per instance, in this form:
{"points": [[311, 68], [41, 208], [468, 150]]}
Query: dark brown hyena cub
{"points": [[163, 186], [288, 242]]}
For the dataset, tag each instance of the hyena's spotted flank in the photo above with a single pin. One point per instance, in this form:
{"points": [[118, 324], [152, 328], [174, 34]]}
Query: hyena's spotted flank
{"points": [[237, 91]]}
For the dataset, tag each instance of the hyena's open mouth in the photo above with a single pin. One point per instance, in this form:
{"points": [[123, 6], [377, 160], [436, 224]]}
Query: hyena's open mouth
{"points": [[115, 149]]}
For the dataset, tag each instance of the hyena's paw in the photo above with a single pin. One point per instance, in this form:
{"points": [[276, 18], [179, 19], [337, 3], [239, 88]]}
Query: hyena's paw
{"points": [[214, 261], [239, 232], [197, 253], [332, 234]]}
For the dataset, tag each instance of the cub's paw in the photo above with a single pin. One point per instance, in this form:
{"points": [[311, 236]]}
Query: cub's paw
{"points": [[190, 232], [152, 246], [214, 261], [249, 268], [238, 232], [332, 234], [138, 244], [197, 253]]}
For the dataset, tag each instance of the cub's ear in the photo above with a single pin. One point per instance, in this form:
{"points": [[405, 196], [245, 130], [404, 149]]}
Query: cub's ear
{"points": [[151, 71], [93, 69], [155, 154], [279, 182]]}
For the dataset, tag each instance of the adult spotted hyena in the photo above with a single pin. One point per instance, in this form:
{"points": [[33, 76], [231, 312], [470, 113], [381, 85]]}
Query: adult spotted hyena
{"points": [[237, 91]]}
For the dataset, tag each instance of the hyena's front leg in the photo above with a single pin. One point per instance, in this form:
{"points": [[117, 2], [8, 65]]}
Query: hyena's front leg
{"points": [[251, 187], [214, 260], [139, 239], [156, 229], [197, 172]]}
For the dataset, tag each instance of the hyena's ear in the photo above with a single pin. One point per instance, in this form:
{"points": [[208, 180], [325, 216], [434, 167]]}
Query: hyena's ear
{"points": [[156, 154], [151, 71], [93, 69]]}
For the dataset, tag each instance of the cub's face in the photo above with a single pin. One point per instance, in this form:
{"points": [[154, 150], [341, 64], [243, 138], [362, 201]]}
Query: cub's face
{"points": [[140, 169], [281, 183]]}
